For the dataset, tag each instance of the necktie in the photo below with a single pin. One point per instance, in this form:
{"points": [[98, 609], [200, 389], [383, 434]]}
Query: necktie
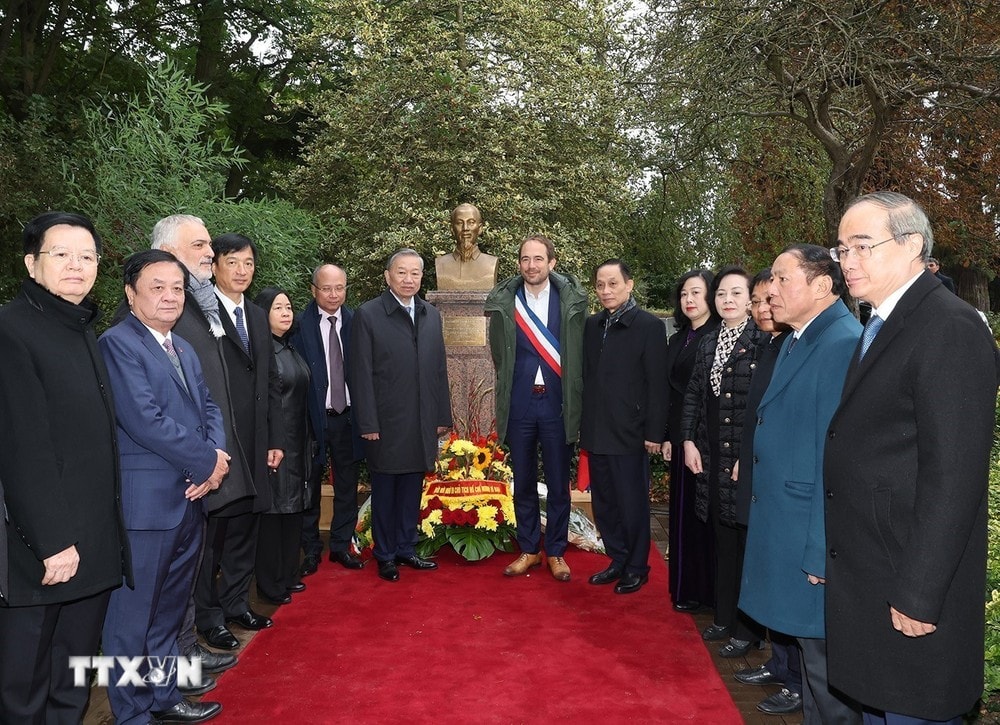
{"points": [[175, 360], [791, 344], [241, 330], [872, 327], [335, 356], [409, 311]]}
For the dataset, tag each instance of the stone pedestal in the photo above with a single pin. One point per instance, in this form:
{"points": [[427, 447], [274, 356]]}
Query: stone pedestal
{"points": [[470, 368]]}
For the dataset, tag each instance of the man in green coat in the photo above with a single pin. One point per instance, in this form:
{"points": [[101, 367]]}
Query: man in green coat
{"points": [[536, 340]]}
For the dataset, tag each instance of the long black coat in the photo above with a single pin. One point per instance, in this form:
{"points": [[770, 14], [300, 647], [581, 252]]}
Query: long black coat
{"points": [[736, 374], [236, 383], [289, 483], [59, 460], [623, 388], [679, 366], [906, 468], [398, 378]]}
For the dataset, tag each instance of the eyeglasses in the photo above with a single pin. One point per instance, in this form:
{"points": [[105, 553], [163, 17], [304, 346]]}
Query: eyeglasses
{"points": [[60, 255], [861, 251], [338, 288]]}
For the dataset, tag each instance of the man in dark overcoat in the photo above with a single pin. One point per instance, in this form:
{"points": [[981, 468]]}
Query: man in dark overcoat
{"points": [[398, 378], [907, 459], [624, 421], [66, 543]]}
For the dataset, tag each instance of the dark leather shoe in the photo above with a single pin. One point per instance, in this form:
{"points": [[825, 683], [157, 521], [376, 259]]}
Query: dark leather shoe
{"points": [[284, 599], [611, 574], [781, 703], [387, 570], [296, 588], [213, 662], [187, 711], [758, 676], [630, 583], [415, 562], [346, 559], [688, 605], [220, 638], [738, 648], [309, 565], [251, 620], [207, 685], [715, 632]]}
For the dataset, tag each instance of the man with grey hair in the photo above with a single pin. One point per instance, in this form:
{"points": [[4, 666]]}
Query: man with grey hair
{"points": [[398, 377], [906, 472]]}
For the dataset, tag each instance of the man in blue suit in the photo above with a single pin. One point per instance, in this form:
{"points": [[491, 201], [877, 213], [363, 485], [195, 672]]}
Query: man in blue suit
{"points": [[323, 339], [171, 441], [785, 556]]}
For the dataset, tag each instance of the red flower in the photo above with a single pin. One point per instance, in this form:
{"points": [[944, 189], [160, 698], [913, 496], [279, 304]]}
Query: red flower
{"points": [[435, 504], [472, 517], [447, 518]]}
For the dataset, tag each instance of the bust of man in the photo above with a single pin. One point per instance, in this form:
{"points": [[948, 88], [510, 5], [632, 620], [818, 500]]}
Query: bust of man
{"points": [[467, 268]]}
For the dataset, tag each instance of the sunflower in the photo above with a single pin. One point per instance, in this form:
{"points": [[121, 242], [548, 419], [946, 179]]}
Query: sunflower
{"points": [[481, 459]]}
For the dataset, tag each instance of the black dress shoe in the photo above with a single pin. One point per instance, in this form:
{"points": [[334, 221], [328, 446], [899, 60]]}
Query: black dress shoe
{"points": [[611, 574], [688, 605], [284, 599], [213, 662], [309, 565], [207, 685], [415, 562], [714, 632], [781, 703], [387, 570], [346, 559], [251, 620], [738, 648], [630, 583], [187, 711], [758, 676], [296, 588], [220, 638]]}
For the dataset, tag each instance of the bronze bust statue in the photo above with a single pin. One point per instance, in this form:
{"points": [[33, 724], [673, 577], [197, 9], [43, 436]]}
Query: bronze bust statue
{"points": [[467, 268]]}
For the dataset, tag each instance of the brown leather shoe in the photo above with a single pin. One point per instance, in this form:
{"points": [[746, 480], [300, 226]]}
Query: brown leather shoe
{"points": [[559, 568], [522, 564]]}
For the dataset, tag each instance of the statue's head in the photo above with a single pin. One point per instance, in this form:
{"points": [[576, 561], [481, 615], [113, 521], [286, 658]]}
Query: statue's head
{"points": [[466, 225]]}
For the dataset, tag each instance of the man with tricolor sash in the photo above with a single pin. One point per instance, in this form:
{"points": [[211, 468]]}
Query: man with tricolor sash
{"points": [[536, 340]]}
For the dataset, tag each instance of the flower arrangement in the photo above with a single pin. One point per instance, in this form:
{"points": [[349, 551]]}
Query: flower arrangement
{"points": [[467, 501]]}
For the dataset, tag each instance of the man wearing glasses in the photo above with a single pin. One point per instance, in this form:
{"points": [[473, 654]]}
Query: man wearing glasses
{"points": [[66, 543], [907, 458], [323, 339]]}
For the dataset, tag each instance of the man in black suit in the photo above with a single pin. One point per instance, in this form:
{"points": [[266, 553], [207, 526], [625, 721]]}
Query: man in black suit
{"points": [[398, 377], [906, 470], [623, 421], [66, 543], [934, 268], [222, 592], [171, 441], [323, 339]]}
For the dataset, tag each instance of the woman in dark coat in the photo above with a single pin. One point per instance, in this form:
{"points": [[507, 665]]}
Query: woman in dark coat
{"points": [[280, 527], [692, 574], [712, 427]]}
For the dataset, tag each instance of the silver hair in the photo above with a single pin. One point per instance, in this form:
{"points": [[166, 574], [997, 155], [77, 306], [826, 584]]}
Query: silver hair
{"points": [[165, 230], [905, 217], [407, 252]]}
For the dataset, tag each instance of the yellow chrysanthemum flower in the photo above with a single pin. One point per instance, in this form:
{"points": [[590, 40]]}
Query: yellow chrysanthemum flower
{"points": [[487, 518]]}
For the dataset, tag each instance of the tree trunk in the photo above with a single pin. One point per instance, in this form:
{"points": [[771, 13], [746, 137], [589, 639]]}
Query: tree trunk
{"points": [[973, 286]]}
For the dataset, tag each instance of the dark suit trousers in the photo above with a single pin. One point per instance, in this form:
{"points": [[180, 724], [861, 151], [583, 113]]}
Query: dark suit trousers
{"points": [[784, 661], [538, 429], [36, 683], [891, 718], [820, 704], [339, 444], [395, 511], [620, 489], [277, 566], [147, 620], [223, 584]]}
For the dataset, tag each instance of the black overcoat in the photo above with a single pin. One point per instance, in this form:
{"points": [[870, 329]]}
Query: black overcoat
{"points": [[623, 391], [906, 468], [289, 483], [59, 461], [398, 378]]}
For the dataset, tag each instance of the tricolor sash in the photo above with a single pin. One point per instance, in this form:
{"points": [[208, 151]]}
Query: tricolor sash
{"points": [[540, 337]]}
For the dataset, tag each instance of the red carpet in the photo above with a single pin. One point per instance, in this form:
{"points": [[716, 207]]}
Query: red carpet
{"points": [[466, 644]]}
